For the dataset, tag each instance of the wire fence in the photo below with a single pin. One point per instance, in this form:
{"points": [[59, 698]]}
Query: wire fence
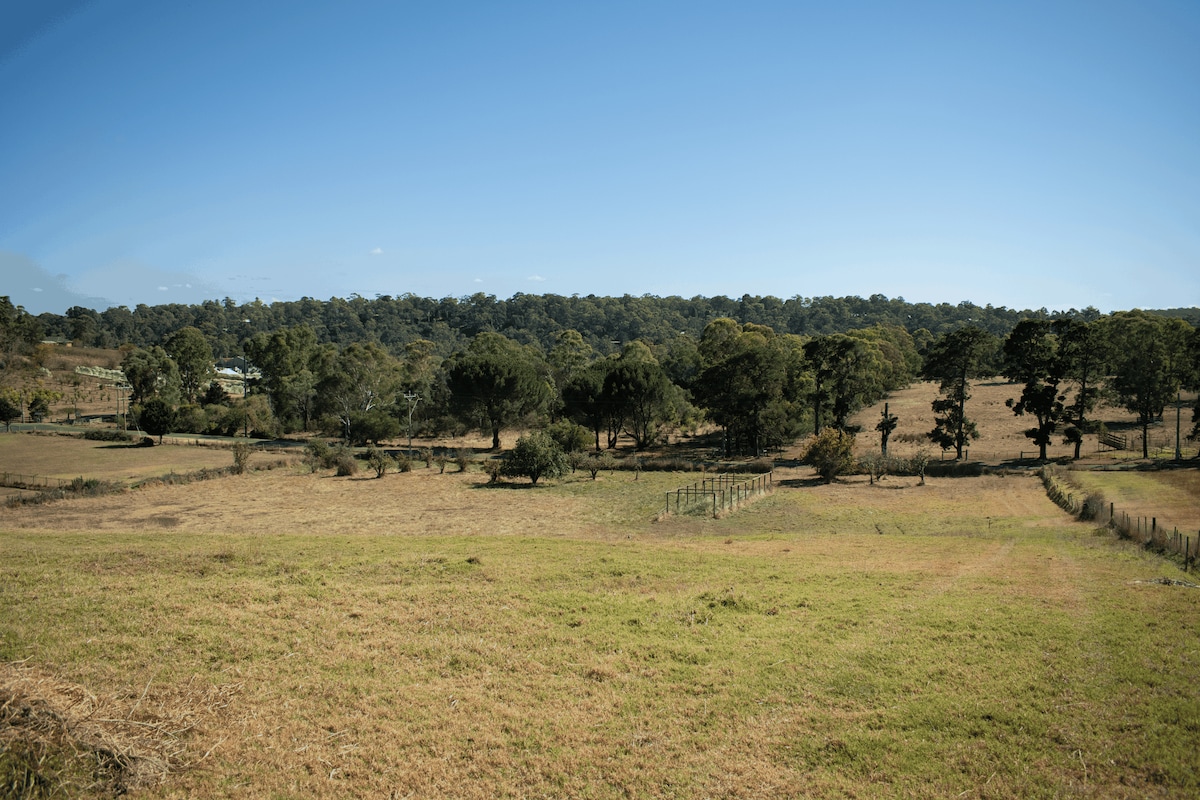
{"points": [[721, 492], [1147, 531], [1144, 530], [17, 480]]}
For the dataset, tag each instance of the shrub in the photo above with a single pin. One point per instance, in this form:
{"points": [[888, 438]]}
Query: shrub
{"points": [[919, 463], [570, 436], [441, 461], [241, 457], [156, 417], [379, 461], [191, 419], [404, 463], [1094, 507], [463, 459], [955, 469], [598, 462], [346, 465], [871, 463], [535, 455], [105, 435], [317, 455], [593, 464], [831, 453], [661, 464]]}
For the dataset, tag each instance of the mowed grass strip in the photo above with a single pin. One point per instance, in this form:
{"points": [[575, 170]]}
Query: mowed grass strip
{"points": [[1171, 496], [959, 638]]}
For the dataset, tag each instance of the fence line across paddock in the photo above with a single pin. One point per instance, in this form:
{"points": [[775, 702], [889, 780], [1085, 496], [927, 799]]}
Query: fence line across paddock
{"points": [[17, 480], [1146, 531], [723, 492]]}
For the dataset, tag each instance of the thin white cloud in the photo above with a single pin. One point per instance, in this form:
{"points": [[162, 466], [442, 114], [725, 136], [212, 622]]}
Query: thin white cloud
{"points": [[536, 278], [37, 288], [378, 251], [163, 289]]}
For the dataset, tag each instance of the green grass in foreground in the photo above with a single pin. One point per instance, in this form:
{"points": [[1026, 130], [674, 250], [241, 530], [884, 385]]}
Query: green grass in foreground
{"points": [[1004, 661]]}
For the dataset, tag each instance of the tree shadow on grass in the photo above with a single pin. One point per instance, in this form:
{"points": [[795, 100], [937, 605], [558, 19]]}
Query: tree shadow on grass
{"points": [[800, 483], [507, 485]]}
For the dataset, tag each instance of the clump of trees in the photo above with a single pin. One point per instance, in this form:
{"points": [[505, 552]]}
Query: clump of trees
{"points": [[596, 371]]}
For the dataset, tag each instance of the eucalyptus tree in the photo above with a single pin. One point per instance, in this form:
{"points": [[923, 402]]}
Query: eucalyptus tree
{"points": [[357, 389], [1031, 357], [1151, 359], [290, 362], [637, 390], [1083, 352], [845, 373], [495, 382], [193, 356], [19, 332], [746, 384], [954, 360], [150, 372]]}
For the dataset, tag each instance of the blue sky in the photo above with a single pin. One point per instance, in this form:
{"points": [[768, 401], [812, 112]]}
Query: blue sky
{"points": [[1030, 155]]}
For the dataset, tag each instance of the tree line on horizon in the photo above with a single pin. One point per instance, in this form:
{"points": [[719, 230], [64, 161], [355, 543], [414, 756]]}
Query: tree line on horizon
{"points": [[606, 323], [762, 386]]}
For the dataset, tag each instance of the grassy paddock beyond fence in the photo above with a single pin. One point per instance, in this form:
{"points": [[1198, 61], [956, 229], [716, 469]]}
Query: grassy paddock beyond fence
{"points": [[724, 492], [1083, 493]]}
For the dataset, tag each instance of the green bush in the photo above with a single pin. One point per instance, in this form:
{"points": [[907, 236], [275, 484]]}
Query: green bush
{"points": [[570, 437], [536, 455], [317, 455], [593, 464], [191, 419], [831, 453], [380, 461], [241, 457]]}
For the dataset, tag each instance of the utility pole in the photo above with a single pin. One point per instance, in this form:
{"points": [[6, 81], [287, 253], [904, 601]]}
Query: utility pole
{"points": [[1178, 403], [412, 399]]}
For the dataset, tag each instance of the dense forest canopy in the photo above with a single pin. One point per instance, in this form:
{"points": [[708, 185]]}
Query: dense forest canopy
{"points": [[594, 369], [606, 323]]}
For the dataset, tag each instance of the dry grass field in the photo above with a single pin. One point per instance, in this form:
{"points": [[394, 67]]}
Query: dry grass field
{"points": [[71, 457], [282, 634], [1001, 436], [1172, 497]]}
